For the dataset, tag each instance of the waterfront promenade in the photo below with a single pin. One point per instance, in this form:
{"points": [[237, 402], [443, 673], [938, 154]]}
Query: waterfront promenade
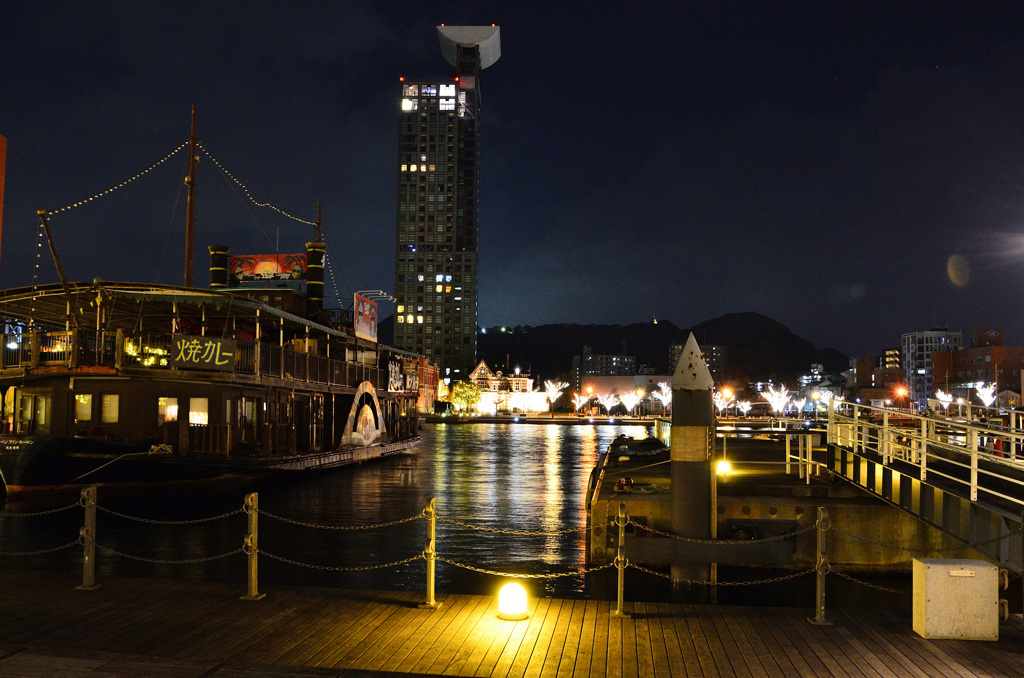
{"points": [[157, 627]]}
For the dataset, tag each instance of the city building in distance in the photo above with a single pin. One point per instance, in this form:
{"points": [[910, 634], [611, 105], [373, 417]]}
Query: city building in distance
{"points": [[918, 350], [436, 262]]}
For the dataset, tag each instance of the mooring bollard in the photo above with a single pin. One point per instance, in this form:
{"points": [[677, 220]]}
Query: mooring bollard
{"points": [[251, 545], [430, 554], [821, 569], [620, 562], [87, 537]]}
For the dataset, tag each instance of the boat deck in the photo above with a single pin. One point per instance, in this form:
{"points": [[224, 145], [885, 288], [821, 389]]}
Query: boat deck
{"points": [[174, 628]]}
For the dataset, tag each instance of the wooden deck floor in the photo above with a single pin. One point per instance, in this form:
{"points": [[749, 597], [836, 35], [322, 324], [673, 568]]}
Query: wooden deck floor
{"points": [[173, 628]]}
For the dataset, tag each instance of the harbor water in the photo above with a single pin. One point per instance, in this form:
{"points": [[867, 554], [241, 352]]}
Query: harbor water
{"points": [[509, 499]]}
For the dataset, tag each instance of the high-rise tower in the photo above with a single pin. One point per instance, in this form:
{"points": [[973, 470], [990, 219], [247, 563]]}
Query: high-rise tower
{"points": [[436, 265]]}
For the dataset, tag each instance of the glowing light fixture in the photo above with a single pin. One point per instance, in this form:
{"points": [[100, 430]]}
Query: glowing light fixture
{"points": [[512, 602], [723, 468]]}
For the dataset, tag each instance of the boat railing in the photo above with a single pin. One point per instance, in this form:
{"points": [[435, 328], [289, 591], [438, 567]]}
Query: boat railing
{"points": [[155, 351]]}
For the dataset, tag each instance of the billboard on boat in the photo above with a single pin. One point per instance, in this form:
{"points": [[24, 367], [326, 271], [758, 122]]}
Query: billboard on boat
{"points": [[364, 313], [255, 267], [203, 353]]}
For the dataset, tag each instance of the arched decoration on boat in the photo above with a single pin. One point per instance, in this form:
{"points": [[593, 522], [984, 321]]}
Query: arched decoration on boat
{"points": [[365, 425]]}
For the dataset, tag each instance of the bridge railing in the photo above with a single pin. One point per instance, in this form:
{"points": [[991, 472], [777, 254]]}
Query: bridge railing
{"points": [[979, 460]]}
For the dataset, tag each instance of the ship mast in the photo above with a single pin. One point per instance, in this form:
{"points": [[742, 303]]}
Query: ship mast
{"points": [[190, 226]]}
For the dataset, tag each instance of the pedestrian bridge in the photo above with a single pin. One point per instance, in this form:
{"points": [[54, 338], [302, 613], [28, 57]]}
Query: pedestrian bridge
{"points": [[964, 475]]}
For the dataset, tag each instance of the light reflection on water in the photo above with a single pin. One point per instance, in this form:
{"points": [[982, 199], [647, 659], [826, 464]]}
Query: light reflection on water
{"points": [[500, 476]]}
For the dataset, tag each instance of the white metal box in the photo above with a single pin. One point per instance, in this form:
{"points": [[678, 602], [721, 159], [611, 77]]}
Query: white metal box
{"points": [[956, 599]]}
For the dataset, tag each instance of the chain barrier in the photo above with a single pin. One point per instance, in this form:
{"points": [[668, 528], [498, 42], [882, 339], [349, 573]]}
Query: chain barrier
{"points": [[374, 526], [332, 568], [185, 561], [697, 540], [152, 521], [27, 514], [773, 580], [948, 549], [519, 575], [53, 549], [497, 530], [862, 582]]}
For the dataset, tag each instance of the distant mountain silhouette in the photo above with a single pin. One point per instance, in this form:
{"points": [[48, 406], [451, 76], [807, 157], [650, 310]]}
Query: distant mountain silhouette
{"points": [[759, 348]]}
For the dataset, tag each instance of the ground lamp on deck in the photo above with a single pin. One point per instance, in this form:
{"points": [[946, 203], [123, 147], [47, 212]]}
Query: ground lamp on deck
{"points": [[512, 602]]}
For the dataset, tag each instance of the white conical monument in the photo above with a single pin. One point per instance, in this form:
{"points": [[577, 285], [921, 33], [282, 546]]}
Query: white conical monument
{"points": [[692, 445]]}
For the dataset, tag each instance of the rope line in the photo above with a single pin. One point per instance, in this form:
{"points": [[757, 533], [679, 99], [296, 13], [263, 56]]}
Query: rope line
{"points": [[5, 514], [520, 575], [52, 549], [184, 561], [245, 189], [342, 527], [530, 533], [340, 568], [122, 184], [152, 521]]}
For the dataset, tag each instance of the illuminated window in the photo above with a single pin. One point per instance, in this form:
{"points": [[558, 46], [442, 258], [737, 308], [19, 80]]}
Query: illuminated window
{"points": [[409, 318], [447, 105], [167, 410], [419, 319], [438, 288], [410, 104], [411, 90], [401, 319], [429, 90], [83, 407], [401, 308], [199, 411], [109, 408], [447, 90]]}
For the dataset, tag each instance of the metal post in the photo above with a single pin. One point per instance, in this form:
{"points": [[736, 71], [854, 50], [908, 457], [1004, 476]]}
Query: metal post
{"points": [[87, 536], [788, 470], [430, 554], [821, 568], [620, 562], [251, 545]]}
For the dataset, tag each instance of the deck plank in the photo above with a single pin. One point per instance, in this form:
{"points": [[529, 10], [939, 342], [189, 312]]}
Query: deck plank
{"points": [[158, 627], [424, 642], [556, 645], [585, 642], [515, 665]]}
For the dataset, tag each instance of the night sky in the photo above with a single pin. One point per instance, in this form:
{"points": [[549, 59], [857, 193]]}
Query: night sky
{"points": [[853, 170]]}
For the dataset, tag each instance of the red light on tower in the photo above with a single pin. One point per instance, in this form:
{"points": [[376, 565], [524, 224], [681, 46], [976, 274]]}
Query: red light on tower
{"points": [[401, 79]]}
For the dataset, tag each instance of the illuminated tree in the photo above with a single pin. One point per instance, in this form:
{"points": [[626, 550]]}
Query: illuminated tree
{"points": [[744, 406], [464, 395], [945, 399], [722, 400], [608, 401], [663, 394], [778, 399], [799, 405], [629, 401], [554, 390], [986, 394]]}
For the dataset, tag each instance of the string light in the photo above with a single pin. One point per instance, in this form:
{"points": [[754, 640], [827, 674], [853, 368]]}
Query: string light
{"points": [[120, 185], [248, 194]]}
